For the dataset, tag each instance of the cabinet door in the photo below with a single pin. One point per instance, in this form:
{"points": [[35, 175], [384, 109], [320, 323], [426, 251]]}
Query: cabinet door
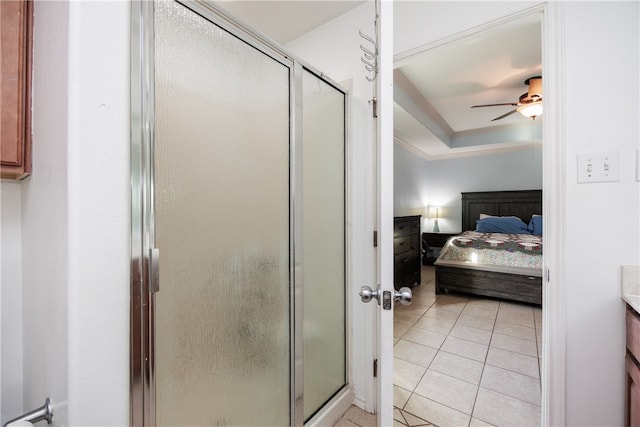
{"points": [[15, 131], [632, 416]]}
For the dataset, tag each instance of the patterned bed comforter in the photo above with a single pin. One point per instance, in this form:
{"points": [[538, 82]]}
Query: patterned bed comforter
{"points": [[507, 253]]}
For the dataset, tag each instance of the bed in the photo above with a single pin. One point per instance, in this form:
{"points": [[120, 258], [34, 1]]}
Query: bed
{"points": [[523, 282]]}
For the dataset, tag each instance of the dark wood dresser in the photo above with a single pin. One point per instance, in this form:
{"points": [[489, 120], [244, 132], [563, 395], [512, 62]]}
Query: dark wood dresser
{"points": [[406, 251]]}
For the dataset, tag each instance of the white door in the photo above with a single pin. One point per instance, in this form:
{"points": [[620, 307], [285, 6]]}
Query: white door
{"points": [[385, 207], [381, 295]]}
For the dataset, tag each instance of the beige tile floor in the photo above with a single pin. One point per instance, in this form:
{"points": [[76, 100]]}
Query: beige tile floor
{"points": [[463, 361]]}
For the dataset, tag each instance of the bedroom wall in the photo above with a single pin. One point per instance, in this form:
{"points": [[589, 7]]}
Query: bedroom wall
{"points": [[419, 183]]}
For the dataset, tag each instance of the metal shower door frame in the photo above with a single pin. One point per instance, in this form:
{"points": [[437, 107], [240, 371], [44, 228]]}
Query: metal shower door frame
{"points": [[144, 256]]}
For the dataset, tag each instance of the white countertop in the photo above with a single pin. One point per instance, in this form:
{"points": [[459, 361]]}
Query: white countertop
{"points": [[631, 286]]}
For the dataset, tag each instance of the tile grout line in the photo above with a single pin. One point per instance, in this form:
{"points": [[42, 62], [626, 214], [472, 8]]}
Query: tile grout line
{"points": [[484, 365], [438, 350], [427, 368], [538, 349], [412, 392]]}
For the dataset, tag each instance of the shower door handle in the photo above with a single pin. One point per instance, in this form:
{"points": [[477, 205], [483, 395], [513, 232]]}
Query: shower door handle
{"points": [[154, 270]]}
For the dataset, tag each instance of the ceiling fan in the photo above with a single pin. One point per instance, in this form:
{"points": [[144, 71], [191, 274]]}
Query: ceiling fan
{"points": [[529, 104]]}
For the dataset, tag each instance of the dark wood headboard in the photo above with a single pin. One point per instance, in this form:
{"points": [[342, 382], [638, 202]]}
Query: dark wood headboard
{"points": [[521, 203]]}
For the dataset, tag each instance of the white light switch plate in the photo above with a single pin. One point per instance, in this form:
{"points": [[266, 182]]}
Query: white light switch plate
{"points": [[602, 166], [637, 165]]}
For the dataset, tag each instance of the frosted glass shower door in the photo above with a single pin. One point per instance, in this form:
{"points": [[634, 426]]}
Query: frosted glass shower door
{"points": [[323, 236], [222, 225]]}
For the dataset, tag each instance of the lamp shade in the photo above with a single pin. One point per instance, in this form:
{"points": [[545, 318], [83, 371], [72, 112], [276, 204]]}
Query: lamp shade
{"points": [[434, 212]]}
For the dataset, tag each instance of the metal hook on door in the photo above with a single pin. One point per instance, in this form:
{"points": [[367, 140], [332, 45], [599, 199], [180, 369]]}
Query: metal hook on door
{"points": [[370, 59]]}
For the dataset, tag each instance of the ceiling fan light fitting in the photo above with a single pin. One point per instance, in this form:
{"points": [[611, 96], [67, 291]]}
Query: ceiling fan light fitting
{"points": [[532, 110], [529, 104], [535, 86]]}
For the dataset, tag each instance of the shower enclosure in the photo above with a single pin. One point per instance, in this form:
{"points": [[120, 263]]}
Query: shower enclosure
{"points": [[238, 225]]}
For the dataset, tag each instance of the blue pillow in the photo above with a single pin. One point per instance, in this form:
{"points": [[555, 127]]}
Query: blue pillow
{"points": [[535, 225], [504, 224]]}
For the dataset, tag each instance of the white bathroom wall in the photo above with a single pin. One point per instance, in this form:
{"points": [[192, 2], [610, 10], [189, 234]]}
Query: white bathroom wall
{"points": [[45, 219], [10, 299], [602, 219], [75, 216], [99, 213]]}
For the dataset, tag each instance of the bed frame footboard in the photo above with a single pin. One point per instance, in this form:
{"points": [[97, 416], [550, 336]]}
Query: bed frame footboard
{"points": [[512, 287]]}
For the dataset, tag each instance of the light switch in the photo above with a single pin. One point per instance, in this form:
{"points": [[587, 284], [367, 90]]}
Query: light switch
{"points": [[637, 165], [599, 167]]}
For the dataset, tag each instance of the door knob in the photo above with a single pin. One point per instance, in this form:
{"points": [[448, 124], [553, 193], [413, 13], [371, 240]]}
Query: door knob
{"points": [[404, 295], [367, 294]]}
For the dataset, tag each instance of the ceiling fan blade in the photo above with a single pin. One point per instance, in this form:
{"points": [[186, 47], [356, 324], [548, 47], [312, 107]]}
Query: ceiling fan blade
{"points": [[504, 115], [494, 105]]}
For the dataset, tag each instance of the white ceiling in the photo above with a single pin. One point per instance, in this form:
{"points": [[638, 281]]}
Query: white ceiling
{"points": [[286, 20], [435, 86]]}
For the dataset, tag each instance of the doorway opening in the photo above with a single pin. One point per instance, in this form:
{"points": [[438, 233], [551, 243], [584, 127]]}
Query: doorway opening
{"points": [[433, 170]]}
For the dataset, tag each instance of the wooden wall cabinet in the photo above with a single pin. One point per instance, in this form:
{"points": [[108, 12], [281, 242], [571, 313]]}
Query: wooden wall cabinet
{"points": [[16, 66]]}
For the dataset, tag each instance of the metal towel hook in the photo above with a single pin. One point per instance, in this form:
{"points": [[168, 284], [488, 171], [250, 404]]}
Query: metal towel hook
{"points": [[370, 59], [45, 412]]}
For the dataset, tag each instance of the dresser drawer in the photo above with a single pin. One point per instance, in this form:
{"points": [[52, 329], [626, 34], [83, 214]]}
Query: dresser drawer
{"points": [[406, 258], [406, 243], [633, 332], [406, 226]]}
